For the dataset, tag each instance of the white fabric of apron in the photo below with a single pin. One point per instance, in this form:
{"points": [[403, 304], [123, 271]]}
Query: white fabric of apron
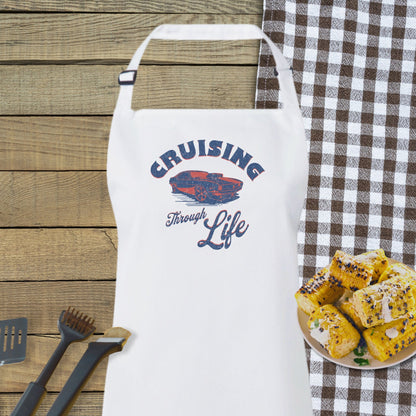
{"points": [[207, 285]]}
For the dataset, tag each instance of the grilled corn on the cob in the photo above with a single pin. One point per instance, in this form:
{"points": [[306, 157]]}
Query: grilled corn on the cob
{"points": [[397, 269], [349, 272], [384, 302], [318, 291], [347, 308], [377, 259], [333, 331], [386, 340]]}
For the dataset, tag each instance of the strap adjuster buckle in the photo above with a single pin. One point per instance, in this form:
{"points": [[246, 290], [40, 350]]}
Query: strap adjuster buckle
{"points": [[127, 77], [276, 73]]}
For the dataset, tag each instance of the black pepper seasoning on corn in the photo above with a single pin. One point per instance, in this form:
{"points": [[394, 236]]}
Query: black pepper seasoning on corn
{"points": [[350, 273], [318, 291], [392, 299], [377, 259], [381, 297], [347, 308], [397, 270], [386, 340], [338, 335]]}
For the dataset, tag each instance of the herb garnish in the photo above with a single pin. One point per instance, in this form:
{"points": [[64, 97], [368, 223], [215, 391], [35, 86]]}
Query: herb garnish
{"points": [[360, 351], [316, 323], [361, 361]]}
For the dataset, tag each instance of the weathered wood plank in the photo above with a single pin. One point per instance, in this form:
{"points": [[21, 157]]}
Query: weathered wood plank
{"points": [[54, 143], [87, 404], [54, 199], [58, 254], [93, 89], [60, 143], [137, 6], [115, 37], [15, 378], [42, 302]]}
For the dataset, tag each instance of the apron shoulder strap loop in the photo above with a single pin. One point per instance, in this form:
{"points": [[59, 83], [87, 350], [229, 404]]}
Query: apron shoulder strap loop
{"points": [[212, 32]]}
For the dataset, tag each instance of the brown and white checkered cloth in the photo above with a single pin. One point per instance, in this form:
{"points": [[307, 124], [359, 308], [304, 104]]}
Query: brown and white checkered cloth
{"points": [[354, 69]]}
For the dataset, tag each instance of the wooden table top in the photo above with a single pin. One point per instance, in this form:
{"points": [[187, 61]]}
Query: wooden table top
{"points": [[59, 63]]}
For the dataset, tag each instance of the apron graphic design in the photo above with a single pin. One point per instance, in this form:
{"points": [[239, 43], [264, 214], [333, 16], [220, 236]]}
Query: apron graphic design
{"points": [[212, 188], [207, 206], [201, 188]]}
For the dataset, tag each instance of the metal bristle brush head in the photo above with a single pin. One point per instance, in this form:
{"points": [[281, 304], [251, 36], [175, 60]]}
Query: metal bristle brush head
{"points": [[75, 324]]}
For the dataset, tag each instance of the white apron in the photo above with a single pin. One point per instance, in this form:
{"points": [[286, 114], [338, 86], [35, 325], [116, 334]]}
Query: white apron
{"points": [[207, 204]]}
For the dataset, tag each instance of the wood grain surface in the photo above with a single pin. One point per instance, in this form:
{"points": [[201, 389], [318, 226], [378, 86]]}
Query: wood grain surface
{"points": [[88, 404], [55, 199], [114, 37], [45, 254], [93, 89], [137, 6], [43, 302], [54, 142], [59, 63]]}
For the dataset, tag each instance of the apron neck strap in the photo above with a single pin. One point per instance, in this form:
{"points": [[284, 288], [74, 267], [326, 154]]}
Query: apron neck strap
{"points": [[207, 32]]}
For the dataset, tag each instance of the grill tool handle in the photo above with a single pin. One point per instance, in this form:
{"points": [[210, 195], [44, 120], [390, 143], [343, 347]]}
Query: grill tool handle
{"points": [[30, 400], [95, 352]]}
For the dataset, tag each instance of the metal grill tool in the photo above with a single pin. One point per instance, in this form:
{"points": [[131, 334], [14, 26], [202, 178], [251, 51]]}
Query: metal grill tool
{"points": [[13, 335], [113, 340], [73, 326]]}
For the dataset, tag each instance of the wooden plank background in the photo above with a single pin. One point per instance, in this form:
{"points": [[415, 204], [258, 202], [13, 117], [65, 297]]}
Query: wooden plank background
{"points": [[59, 63]]}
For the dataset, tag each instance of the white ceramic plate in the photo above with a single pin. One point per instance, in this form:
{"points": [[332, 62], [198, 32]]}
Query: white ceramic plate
{"points": [[348, 361]]}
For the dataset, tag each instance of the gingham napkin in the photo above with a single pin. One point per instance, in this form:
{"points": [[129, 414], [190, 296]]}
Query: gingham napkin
{"points": [[354, 69]]}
